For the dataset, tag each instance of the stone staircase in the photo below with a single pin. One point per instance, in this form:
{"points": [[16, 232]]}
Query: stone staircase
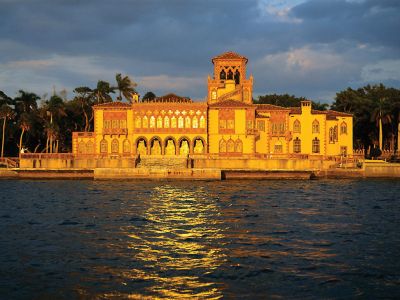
{"points": [[162, 162]]}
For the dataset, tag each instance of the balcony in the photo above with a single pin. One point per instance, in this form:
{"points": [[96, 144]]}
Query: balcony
{"points": [[253, 131], [115, 131]]}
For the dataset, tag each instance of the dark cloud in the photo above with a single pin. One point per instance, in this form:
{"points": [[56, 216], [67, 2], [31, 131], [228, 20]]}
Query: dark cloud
{"points": [[77, 42]]}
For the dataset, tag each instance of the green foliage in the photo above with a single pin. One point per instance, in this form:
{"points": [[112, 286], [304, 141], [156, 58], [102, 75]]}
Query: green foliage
{"points": [[149, 96], [287, 100]]}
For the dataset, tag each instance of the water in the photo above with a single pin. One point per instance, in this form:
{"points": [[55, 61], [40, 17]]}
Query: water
{"points": [[207, 240]]}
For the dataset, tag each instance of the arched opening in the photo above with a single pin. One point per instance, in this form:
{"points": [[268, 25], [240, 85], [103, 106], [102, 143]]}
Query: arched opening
{"points": [[230, 146], [278, 147], [81, 147], [166, 122], [222, 75], [238, 146], [141, 146], [184, 146], [297, 145], [237, 77], [170, 148], [343, 128], [103, 146], [126, 146], [230, 75], [159, 122], [297, 126], [155, 146], [222, 146], [315, 126], [315, 145], [114, 146], [198, 146]]}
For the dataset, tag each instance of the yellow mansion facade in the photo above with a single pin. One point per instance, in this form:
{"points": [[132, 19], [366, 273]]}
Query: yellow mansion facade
{"points": [[227, 125]]}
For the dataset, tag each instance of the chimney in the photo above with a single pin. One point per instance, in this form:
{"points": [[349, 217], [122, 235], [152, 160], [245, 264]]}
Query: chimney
{"points": [[306, 107]]}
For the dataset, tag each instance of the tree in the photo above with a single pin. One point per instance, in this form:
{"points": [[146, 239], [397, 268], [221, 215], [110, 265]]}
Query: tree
{"points": [[85, 98], [125, 86], [25, 125], [149, 96], [287, 100], [102, 92], [382, 116], [6, 113], [26, 102]]}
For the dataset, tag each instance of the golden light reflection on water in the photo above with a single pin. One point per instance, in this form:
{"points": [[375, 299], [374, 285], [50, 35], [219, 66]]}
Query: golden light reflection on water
{"points": [[180, 244]]}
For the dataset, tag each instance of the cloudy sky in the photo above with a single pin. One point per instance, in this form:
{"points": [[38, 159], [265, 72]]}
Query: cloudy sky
{"points": [[310, 48]]}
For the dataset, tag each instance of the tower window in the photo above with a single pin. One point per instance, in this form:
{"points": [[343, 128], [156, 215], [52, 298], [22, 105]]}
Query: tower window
{"points": [[222, 75], [230, 75], [237, 77]]}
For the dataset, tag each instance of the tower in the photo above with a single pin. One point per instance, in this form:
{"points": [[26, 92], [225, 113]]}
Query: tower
{"points": [[229, 80]]}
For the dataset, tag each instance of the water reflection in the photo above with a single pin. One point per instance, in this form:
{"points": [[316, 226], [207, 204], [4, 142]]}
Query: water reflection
{"points": [[178, 243]]}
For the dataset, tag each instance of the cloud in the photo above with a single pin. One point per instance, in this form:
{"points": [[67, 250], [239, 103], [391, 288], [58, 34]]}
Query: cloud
{"points": [[380, 71]]}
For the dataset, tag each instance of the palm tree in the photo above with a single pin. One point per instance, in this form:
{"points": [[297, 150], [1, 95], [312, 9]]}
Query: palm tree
{"points": [[26, 102], [25, 125], [84, 97], [102, 92], [5, 113], [125, 86], [381, 115]]}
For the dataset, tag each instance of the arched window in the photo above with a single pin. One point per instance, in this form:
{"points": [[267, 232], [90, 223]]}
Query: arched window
{"points": [[81, 147], [202, 122], [126, 146], [331, 135], [187, 122], [315, 145], [343, 128], [278, 147], [195, 122], [89, 147], [237, 77], [230, 75], [166, 122], [159, 122], [115, 124], [103, 147], [238, 146], [138, 122], [297, 145], [315, 126], [152, 122], [145, 122], [222, 146], [114, 146], [173, 122], [297, 126], [222, 75], [335, 133], [180, 122], [230, 146]]}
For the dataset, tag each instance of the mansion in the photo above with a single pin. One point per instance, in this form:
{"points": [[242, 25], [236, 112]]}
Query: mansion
{"points": [[227, 125]]}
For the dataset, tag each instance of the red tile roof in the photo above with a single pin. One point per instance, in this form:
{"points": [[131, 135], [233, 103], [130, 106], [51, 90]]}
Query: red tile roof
{"points": [[338, 113], [270, 107], [230, 103], [170, 98], [118, 104], [229, 55]]}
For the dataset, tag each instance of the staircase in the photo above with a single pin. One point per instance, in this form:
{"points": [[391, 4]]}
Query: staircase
{"points": [[9, 162], [162, 162], [227, 96]]}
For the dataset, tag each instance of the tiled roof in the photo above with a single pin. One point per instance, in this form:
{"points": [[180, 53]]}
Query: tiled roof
{"points": [[230, 103], [170, 98], [338, 113], [229, 55], [118, 104], [297, 111], [270, 107]]}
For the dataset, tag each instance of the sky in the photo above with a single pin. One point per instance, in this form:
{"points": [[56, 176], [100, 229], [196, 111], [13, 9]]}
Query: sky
{"points": [[308, 48]]}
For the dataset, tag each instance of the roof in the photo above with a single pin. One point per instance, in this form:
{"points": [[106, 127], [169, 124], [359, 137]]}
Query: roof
{"points": [[270, 107], [297, 111], [338, 113], [170, 98], [230, 103], [229, 55], [116, 104]]}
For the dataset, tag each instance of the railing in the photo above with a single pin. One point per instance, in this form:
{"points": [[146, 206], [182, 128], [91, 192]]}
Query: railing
{"points": [[9, 162], [115, 130], [46, 156], [253, 131]]}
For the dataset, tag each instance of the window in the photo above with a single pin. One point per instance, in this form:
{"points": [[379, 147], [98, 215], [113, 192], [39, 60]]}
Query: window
{"points": [[297, 145], [261, 125], [343, 150], [180, 122], [159, 122], [188, 122], [315, 145], [222, 124], [114, 146], [331, 136], [138, 122], [230, 124], [195, 122], [107, 124], [249, 124], [126, 146], [278, 128], [222, 146], [238, 146], [230, 146], [89, 147], [81, 147], [122, 123], [145, 122], [103, 146], [315, 127], [152, 122], [343, 128], [166, 122], [202, 122], [173, 122], [278, 148], [115, 124], [297, 126]]}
